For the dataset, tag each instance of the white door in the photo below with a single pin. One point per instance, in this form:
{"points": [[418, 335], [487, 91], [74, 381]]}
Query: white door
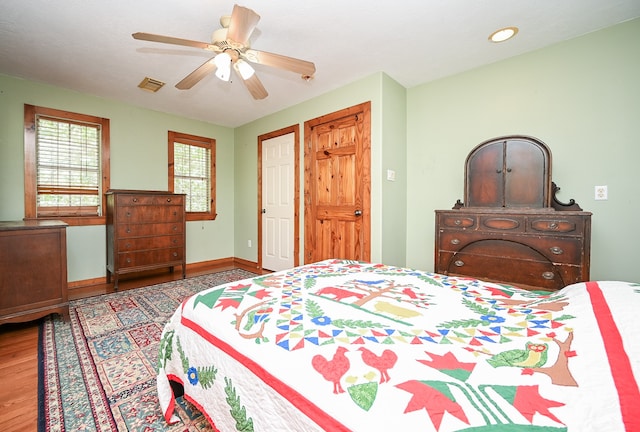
{"points": [[278, 202]]}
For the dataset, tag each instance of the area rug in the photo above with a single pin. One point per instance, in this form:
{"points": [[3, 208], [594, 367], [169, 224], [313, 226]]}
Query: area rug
{"points": [[98, 371]]}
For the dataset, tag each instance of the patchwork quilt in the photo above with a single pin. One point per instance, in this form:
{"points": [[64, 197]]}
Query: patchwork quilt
{"points": [[343, 345]]}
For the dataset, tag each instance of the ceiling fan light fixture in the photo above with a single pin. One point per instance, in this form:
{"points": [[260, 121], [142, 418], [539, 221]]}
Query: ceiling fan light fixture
{"points": [[503, 34], [223, 64], [223, 73], [222, 60], [245, 69]]}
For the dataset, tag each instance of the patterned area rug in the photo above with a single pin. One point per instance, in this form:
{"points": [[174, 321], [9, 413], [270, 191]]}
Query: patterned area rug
{"points": [[98, 372]]}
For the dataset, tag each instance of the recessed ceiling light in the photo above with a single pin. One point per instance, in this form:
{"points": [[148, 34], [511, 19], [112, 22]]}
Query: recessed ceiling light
{"points": [[503, 34]]}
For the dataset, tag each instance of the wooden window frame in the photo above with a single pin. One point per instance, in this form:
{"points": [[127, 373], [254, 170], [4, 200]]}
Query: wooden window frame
{"points": [[30, 163], [199, 141]]}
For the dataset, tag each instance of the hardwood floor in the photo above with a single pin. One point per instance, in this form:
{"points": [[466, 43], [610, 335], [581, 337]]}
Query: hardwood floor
{"points": [[19, 356]]}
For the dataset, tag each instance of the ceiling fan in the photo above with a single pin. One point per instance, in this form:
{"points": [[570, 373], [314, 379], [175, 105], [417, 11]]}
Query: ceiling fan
{"points": [[232, 48]]}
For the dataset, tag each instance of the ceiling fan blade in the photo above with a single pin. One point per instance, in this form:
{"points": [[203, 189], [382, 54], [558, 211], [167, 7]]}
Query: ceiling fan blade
{"points": [[194, 77], [302, 67], [243, 21], [174, 41], [254, 85]]}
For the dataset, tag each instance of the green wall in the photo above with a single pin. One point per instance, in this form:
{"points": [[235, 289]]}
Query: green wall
{"points": [[387, 112], [138, 161], [581, 97]]}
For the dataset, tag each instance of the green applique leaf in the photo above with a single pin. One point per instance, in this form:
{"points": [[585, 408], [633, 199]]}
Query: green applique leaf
{"points": [[364, 395], [313, 309], [238, 411], [463, 323], [207, 376], [355, 324], [183, 358], [166, 349]]}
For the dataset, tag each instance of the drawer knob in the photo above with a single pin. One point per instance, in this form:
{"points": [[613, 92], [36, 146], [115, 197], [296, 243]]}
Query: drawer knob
{"points": [[168, 199], [128, 214], [455, 241], [548, 275], [458, 222], [459, 263], [556, 250], [128, 260], [553, 225], [128, 245], [175, 254], [135, 200], [175, 228], [128, 230]]}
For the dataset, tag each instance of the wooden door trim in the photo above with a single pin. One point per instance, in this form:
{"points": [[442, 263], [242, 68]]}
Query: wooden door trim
{"points": [[365, 109], [295, 129]]}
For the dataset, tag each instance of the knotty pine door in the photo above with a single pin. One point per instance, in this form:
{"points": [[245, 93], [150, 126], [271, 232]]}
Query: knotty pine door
{"points": [[337, 195]]}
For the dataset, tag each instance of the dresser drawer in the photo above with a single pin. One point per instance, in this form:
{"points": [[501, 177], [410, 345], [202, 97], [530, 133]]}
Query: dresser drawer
{"points": [[507, 223], [153, 242], [140, 230], [557, 225], [141, 214], [457, 221], [135, 200], [541, 273], [153, 257], [554, 249]]}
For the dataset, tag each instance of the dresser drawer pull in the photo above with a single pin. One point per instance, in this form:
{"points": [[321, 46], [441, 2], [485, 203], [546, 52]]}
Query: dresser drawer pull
{"points": [[128, 214], [175, 241], [175, 228], [458, 222], [459, 263], [128, 230], [135, 200], [175, 254], [128, 260], [548, 275], [455, 241], [168, 199], [553, 225], [128, 245], [556, 250]]}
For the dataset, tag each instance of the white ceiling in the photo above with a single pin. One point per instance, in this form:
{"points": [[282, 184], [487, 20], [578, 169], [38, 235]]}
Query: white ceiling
{"points": [[86, 45]]}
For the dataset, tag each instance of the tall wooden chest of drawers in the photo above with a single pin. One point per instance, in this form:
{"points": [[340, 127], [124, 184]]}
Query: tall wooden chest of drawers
{"points": [[33, 270], [145, 231]]}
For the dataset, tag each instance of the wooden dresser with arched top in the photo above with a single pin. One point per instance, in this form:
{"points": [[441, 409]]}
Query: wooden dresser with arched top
{"points": [[510, 227]]}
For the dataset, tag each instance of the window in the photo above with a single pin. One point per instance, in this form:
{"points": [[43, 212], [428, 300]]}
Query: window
{"points": [[66, 157], [192, 171]]}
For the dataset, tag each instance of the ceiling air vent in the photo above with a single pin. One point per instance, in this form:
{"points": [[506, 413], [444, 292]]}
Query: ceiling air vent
{"points": [[150, 84]]}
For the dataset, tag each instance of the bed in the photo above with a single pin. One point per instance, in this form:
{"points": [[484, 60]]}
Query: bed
{"points": [[342, 345]]}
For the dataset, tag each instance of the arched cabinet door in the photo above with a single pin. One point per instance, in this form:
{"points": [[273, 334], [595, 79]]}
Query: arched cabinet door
{"points": [[509, 172]]}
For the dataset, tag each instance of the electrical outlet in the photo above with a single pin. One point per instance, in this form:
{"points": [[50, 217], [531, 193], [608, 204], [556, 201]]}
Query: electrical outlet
{"points": [[601, 193], [391, 175], [248, 243]]}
